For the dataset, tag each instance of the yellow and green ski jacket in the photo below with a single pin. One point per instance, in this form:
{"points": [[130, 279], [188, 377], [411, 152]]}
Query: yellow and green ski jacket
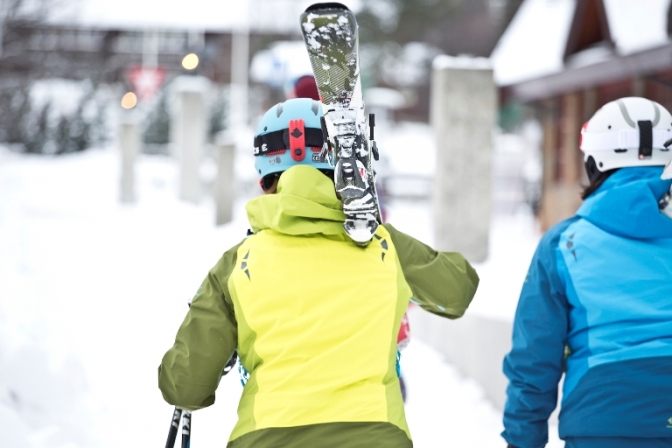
{"points": [[314, 319]]}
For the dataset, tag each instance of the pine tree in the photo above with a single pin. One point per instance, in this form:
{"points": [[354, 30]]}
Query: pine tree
{"points": [[157, 130]]}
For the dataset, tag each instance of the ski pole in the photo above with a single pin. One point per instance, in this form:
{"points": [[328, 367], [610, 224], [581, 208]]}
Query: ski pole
{"points": [[186, 429], [174, 425], [186, 415]]}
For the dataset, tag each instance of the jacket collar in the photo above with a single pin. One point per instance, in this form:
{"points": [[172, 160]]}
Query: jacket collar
{"points": [[626, 204], [305, 204]]}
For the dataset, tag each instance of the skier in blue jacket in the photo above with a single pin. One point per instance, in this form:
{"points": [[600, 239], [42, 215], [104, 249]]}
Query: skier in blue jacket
{"points": [[597, 300]]}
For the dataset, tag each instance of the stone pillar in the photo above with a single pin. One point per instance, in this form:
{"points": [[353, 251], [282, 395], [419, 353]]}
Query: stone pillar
{"points": [[129, 144], [189, 133], [463, 112], [224, 184]]}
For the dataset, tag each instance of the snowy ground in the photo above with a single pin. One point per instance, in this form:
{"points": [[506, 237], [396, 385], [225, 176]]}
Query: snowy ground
{"points": [[92, 293]]}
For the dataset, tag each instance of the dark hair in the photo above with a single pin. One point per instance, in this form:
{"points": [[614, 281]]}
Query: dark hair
{"points": [[267, 180], [595, 176]]}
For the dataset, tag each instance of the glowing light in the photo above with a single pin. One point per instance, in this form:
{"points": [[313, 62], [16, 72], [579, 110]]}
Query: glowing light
{"points": [[129, 100], [190, 61]]}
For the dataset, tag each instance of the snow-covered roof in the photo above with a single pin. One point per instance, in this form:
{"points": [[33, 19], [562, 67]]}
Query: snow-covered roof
{"points": [[534, 43], [198, 15], [639, 25]]}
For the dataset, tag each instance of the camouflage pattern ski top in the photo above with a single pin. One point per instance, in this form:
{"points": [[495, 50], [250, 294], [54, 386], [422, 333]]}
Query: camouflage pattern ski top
{"points": [[314, 319]]}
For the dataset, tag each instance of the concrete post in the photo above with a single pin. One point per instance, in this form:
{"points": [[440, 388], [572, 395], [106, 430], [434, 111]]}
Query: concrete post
{"points": [[239, 93], [189, 133], [224, 184], [463, 113], [240, 60], [129, 144]]}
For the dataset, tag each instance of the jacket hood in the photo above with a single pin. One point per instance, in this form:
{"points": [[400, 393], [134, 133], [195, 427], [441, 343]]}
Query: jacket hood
{"points": [[305, 204], [626, 204]]}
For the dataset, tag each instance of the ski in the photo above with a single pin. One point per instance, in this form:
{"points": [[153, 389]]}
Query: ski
{"points": [[331, 37]]}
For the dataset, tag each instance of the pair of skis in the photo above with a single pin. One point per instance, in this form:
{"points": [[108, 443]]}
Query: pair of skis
{"points": [[331, 36]]}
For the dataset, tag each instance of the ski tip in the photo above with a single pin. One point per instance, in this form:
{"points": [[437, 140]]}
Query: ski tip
{"points": [[326, 5]]}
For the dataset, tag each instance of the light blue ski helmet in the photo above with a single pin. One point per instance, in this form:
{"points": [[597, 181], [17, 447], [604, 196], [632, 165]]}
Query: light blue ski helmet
{"points": [[289, 134]]}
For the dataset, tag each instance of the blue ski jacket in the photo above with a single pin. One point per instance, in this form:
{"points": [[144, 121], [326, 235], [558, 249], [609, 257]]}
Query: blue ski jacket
{"points": [[600, 285]]}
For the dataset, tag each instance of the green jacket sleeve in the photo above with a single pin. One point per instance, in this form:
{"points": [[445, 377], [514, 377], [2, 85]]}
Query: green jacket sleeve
{"points": [[443, 283], [190, 371]]}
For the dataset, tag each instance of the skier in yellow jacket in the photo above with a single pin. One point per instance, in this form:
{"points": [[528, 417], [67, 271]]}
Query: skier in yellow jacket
{"points": [[313, 316]]}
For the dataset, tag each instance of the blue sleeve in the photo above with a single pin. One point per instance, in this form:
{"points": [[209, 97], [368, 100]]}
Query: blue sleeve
{"points": [[534, 365]]}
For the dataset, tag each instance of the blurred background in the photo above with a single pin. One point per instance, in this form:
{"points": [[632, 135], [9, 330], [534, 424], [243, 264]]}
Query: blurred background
{"points": [[126, 159]]}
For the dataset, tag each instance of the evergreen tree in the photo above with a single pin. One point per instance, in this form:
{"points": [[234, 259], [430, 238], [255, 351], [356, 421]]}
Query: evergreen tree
{"points": [[157, 130]]}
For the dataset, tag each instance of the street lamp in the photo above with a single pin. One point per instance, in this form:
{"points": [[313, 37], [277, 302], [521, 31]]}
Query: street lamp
{"points": [[190, 61], [129, 100]]}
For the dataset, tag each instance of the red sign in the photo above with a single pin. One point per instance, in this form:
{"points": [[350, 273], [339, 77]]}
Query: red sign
{"points": [[146, 81]]}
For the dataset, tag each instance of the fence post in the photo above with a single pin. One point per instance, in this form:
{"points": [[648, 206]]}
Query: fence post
{"points": [[129, 144], [189, 133], [224, 184]]}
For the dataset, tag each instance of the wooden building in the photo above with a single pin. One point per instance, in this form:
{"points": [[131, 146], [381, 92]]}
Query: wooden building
{"points": [[564, 59]]}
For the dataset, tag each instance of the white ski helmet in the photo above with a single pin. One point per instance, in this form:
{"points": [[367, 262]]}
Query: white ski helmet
{"points": [[630, 131]]}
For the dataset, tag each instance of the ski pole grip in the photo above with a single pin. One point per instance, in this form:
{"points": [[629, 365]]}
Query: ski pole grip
{"points": [[372, 124]]}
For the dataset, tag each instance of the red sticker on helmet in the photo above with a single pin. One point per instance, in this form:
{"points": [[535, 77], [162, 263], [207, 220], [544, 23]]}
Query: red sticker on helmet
{"points": [[297, 140], [583, 129]]}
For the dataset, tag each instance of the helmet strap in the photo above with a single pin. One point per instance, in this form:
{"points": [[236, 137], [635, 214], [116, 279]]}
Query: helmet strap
{"points": [[591, 170], [645, 139]]}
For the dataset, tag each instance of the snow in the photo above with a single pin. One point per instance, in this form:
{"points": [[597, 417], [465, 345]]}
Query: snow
{"points": [[463, 62], [197, 15], [194, 84], [636, 26], [384, 97], [534, 43], [93, 291]]}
